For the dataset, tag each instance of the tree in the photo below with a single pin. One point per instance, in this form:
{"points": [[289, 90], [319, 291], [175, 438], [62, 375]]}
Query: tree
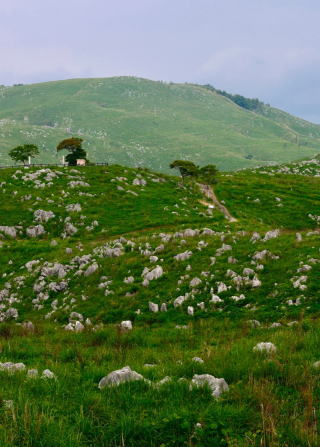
{"points": [[74, 146], [208, 174], [23, 152], [186, 168]]}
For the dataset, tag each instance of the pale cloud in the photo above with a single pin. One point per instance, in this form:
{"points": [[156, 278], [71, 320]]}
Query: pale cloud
{"points": [[268, 67]]}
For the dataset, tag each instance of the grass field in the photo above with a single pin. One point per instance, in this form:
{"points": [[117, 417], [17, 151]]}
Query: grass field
{"points": [[236, 289]]}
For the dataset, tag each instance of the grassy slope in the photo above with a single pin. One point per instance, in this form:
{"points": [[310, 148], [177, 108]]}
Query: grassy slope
{"points": [[139, 122], [273, 400]]}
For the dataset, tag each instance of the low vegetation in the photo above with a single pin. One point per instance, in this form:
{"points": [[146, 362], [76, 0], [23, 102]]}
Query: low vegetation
{"points": [[107, 267]]}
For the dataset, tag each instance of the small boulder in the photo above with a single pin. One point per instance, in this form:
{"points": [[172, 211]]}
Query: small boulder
{"points": [[78, 326], [163, 307], [195, 282], [190, 310], [163, 381], [153, 307], [197, 360], [47, 374], [129, 280], [43, 216], [267, 347], [217, 386], [8, 231], [91, 269], [119, 376], [35, 231], [126, 325], [12, 367], [150, 275]]}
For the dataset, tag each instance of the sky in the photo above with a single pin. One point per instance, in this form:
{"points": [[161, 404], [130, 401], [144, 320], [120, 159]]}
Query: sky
{"points": [[269, 49]]}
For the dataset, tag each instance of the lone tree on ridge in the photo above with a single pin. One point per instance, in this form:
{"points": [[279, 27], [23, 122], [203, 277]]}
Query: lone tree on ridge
{"points": [[186, 168], [207, 174], [23, 152], [74, 146]]}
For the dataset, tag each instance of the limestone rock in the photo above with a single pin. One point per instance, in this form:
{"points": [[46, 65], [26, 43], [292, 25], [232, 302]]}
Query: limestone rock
{"points": [[8, 231], [155, 273], [43, 216], [119, 376], [73, 207], [91, 269], [217, 386], [47, 374], [195, 282], [126, 325], [35, 231], [12, 367], [265, 347], [183, 256], [190, 310], [197, 360], [153, 307], [70, 229]]}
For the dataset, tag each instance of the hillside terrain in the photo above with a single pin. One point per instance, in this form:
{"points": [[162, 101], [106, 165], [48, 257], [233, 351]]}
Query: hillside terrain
{"points": [[138, 122], [107, 267]]}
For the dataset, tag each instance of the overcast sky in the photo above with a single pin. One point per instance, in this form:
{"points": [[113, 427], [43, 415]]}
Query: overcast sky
{"points": [[268, 49]]}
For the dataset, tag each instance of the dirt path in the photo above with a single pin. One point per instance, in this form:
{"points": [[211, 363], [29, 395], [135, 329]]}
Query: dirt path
{"points": [[209, 193]]}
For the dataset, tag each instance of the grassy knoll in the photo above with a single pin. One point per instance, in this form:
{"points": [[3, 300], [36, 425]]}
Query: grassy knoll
{"points": [[110, 227]]}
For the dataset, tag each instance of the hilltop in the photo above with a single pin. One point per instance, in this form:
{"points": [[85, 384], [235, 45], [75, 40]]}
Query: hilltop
{"points": [[139, 122], [85, 249]]}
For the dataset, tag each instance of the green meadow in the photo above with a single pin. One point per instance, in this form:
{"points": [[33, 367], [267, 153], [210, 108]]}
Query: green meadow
{"points": [[242, 283]]}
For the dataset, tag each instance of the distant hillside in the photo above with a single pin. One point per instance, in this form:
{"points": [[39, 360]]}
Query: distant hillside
{"points": [[253, 104], [140, 122]]}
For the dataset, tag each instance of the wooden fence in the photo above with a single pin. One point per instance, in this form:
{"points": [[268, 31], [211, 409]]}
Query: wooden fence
{"points": [[48, 165]]}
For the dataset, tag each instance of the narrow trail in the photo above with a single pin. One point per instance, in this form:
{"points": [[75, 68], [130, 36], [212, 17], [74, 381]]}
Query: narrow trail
{"points": [[209, 193]]}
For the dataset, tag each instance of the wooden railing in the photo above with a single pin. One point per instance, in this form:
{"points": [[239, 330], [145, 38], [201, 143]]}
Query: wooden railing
{"points": [[48, 165]]}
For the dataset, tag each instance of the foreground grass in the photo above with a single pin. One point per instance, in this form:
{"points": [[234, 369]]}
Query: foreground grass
{"points": [[273, 400]]}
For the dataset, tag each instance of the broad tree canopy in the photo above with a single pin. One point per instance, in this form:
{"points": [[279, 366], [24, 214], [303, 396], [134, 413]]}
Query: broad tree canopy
{"points": [[208, 174], [70, 144], [74, 146], [23, 152], [186, 168]]}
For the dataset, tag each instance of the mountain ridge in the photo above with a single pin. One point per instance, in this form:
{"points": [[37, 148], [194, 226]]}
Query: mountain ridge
{"points": [[140, 122]]}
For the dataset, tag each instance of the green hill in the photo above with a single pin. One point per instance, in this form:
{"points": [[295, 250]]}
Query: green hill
{"points": [[83, 249], [138, 122]]}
